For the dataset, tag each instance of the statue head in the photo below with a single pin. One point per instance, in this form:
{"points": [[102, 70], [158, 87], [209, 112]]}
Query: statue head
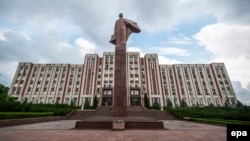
{"points": [[120, 15]]}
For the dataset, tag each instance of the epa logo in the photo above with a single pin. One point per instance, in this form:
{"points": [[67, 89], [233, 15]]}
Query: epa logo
{"points": [[239, 133]]}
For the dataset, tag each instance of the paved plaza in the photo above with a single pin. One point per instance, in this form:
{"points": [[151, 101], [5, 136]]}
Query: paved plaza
{"points": [[175, 130]]}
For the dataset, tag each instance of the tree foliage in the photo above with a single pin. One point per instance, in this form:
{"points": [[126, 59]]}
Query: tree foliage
{"points": [[228, 113], [239, 104], [87, 104], [146, 101], [9, 104], [95, 102], [156, 105], [183, 103], [169, 103]]}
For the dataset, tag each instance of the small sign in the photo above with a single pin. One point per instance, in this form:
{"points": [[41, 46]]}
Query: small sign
{"points": [[118, 125]]}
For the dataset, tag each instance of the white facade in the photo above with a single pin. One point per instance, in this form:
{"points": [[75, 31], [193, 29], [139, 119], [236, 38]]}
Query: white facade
{"points": [[196, 84]]}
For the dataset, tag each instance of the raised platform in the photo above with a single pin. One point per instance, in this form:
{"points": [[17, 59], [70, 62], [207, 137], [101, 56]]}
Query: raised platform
{"points": [[129, 123]]}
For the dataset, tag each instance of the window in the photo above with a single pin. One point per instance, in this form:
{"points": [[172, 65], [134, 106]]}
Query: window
{"points": [[74, 101], [192, 101], [216, 100], [208, 101], [166, 92], [232, 101], [130, 59], [134, 92], [200, 101], [67, 100], [50, 100], [107, 92]]}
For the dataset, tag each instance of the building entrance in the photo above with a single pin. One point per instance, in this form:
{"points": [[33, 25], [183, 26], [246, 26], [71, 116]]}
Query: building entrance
{"points": [[107, 101], [135, 102]]}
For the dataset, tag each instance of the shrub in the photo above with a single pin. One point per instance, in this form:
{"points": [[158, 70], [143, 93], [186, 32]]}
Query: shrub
{"points": [[146, 103], [87, 104], [95, 105], [242, 113], [183, 103], [169, 103], [18, 115], [9, 104], [156, 105], [62, 112]]}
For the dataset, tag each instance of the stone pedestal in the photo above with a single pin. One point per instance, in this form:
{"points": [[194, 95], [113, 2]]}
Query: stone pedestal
{"points": [[120, 87]]}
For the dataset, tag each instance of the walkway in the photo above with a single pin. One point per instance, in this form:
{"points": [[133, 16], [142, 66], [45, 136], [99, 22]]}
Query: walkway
{"points": [[61, 131]]}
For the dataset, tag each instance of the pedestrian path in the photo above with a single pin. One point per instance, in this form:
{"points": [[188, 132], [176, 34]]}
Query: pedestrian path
{"points": [[63, 131]]}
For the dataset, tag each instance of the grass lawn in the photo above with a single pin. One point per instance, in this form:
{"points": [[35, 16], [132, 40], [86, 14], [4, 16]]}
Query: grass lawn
{"points": [[18, 115], [220, 121]]}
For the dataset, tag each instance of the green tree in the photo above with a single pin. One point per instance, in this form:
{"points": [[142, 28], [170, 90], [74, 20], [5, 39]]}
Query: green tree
{"points": [[95, 102], [211, 105], [8, 103], [72, 102], [86, 104], [227, 104], [26, 106], [169, 103], [198, 105], [156, 105], [183, 103], [239, 104], [146, 102]]}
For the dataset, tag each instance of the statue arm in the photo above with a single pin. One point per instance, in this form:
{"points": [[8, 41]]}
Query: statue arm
{"points": [[132, 26]]}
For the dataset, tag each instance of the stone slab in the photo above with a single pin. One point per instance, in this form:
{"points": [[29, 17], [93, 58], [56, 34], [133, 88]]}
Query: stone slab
{"points": [[130, 123], [56, 131]]}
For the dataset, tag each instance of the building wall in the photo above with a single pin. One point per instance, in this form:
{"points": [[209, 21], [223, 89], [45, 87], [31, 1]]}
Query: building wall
{"points": [[154, 86], [196, 84], [133, 78]]}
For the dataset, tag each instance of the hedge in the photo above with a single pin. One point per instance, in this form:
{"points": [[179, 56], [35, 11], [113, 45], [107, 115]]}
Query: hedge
{"points": [[220, 121], [240, 113], [18, 115]]}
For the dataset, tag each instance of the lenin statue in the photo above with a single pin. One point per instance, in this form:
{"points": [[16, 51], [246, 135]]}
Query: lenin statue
{"points": [[123, 28]]}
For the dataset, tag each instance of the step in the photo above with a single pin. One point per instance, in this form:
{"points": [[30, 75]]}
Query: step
{"points": [[136, 112]]}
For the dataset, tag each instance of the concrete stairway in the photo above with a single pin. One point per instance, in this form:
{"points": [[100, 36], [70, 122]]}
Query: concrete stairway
{"points": [[133, 111], [138, 111], [101, 112]]}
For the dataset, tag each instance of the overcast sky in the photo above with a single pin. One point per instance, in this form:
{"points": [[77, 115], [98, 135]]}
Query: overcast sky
{"points": [[179, 31]]}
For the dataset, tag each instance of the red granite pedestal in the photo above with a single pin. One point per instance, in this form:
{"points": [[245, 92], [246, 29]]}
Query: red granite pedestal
{"points": [[120, 89], [106, 123]]}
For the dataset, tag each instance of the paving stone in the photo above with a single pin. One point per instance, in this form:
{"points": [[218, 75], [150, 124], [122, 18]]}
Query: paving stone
{"points": [[62, 131]]}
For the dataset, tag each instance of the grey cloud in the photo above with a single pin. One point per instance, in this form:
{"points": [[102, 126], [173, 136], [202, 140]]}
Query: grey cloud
{"points": [[243, 94], [48, 48], [16, 47], [230, 11]]}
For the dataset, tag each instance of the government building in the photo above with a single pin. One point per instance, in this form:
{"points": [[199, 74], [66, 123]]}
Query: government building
{"points": [[196, 84]]}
